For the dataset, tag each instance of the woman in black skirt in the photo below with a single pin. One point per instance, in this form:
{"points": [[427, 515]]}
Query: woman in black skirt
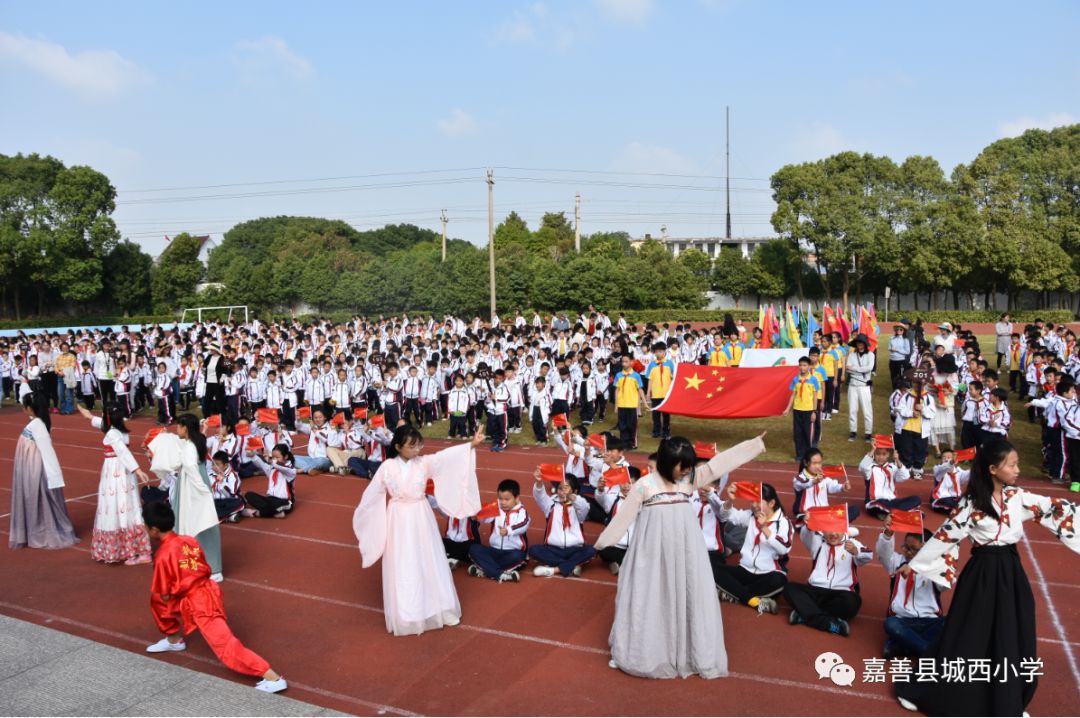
{"points": [[992, 615]]}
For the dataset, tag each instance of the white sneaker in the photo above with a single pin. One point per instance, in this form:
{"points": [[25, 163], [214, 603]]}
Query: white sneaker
{"points": [[217, 577], [612, 664], [576, 571], [163, 646], [614, 568], [907, 705], [453, 563], [546, 571], [272, 686]]}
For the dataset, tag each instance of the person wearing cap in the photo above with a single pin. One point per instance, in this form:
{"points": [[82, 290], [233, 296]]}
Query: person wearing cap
{"points": [[946, 338], [860, 366], [214, 372]]}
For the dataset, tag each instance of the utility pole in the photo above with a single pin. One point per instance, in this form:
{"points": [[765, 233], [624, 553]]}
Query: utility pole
{"points": [[444, 221], [577, 222], [491, 237], [727, 168]]}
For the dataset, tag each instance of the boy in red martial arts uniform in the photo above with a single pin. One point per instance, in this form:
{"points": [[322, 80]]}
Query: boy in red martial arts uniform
{"points": [[183, 598]]}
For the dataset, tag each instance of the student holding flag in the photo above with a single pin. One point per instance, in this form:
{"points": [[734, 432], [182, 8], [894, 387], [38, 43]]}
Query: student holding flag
{"points": [[914, 619]]}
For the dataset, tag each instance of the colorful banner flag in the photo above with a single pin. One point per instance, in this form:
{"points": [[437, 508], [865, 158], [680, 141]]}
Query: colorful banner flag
{"points": [[728, 392]]}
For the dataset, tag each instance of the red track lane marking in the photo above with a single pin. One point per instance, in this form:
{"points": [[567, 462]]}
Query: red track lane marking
{"points": [[560, 644], [381, 708], [1052, 610]]}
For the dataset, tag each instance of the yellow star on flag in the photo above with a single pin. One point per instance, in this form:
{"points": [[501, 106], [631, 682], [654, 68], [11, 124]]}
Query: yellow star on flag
{"points": [[694, 382], [709, 395]]}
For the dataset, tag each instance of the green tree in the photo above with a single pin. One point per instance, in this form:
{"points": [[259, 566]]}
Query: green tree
{"points": [[127, 277], [698, 264], [512, 231], [734, 275], [178, 270]]}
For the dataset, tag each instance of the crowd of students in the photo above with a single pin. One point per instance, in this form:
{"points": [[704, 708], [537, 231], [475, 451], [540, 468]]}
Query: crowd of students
{"points": [[347, 387]]}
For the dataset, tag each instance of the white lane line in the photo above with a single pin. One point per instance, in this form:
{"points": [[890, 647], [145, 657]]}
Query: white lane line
{"points": [[1054, 617]]}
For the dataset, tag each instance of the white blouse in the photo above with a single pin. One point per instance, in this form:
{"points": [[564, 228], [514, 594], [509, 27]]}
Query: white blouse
{"points": [[938, 557]]}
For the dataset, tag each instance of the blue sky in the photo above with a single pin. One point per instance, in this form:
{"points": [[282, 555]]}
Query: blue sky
{"points": [[586, 96]]}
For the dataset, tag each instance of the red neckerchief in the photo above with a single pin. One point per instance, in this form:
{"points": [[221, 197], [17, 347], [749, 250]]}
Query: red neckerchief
{"points": [[909, 587]]}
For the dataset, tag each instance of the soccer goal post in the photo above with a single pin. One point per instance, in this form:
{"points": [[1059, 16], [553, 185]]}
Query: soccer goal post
{"points": [[214, 313]]}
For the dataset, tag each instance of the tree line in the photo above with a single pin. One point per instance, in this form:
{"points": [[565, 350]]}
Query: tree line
{"points": [[848, 226]]}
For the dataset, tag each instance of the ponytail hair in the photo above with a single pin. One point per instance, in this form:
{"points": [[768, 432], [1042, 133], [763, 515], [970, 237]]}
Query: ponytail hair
{"points": [[39, 404], [195, 435], [113, 417]]}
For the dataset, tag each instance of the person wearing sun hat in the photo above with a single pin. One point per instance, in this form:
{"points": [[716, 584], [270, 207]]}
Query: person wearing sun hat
{"points": [[215, 373], [859, 367], [946, 338]]}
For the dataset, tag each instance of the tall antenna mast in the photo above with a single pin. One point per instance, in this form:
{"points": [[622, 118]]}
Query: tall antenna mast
{"points": [[727, 168]]}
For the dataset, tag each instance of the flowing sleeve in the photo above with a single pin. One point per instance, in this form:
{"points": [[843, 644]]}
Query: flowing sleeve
{"points": [[120, 448], [727, 461], [624, 518], [54, 475], [369, 519], [197, 512], [165, 453], [453, 471], [1056, 515], [938, 557]]}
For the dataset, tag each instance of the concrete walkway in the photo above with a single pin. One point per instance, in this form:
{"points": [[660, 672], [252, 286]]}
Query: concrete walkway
{"points": [[44, 672]]}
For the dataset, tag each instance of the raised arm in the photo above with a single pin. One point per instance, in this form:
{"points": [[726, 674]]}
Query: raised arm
{"points": [[937, 558], [622, 520], [727, 461], [1056, 515]]}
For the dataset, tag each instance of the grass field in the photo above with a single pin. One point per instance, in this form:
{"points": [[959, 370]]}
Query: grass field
{"points": [[834, 443]]}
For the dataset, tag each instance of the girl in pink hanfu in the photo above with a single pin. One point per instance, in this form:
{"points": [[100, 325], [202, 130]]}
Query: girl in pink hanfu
{"points": [[418, 591]]}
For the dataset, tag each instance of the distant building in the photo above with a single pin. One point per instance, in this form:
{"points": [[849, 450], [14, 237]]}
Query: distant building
{"points": [[205, 246], [711, 246]]}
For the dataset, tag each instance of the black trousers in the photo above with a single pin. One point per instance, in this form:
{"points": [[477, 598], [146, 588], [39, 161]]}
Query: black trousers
{"points": [[513, 417], [459, 426], [969, 434], [818, 607], [613, 554], [627, 422], [896, 370], [538, 426], [412, 411], [496, 429], [392, 414], [51, 388], [215, 398], [587, 409], [266, 506], [912, 448], [560, 406], [457, 550], [661, 420], [105, 387], [744, 585], [802, 432]]}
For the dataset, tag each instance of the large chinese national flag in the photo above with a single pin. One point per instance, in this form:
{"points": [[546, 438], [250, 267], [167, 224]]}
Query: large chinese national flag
{"points": [[706, 392]]}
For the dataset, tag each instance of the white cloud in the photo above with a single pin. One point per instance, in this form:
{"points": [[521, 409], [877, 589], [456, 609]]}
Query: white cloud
{"points": [[95, 73], [535, 25], [640, 157], [458, 124], [1014, 128], [630, 11], [518, 30], [818, 141], [272, 54]]}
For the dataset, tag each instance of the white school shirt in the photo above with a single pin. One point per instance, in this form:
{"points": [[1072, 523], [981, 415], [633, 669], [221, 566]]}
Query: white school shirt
{"points": [[122, 382], [813, 495], [226, 485], [1034, 378], [458, 401], [429, 388], [834, 567], [911, 596], [906, 408], [290, 384], [358, 386], [391, 392], [236, 384], [315, 394], [969, 410], [760, 554], [949, 482], [516, 521], [610, 499], [995, 421], [705, 512], [275, 395], [542, 401], [499, 398], [256, 390], [340, 394], [162, 385], [517, 397], [881, 480], [563, 527], [279, 477]]}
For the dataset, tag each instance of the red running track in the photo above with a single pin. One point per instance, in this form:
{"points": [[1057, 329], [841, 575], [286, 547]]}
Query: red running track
{"points": [[296, 594]]}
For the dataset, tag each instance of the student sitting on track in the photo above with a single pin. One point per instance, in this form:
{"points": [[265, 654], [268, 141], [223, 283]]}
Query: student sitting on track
{"points": [[225, 485], [564, 550], [949, 483], [831, 597], [280, 495], [505, 552], [915, 619], [762, 570], [882, 473], [611, 498]]}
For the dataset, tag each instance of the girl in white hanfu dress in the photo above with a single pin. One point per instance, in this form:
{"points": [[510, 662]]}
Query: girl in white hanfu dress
{"points": [[418, 590], [119, 531], [667, 614]]}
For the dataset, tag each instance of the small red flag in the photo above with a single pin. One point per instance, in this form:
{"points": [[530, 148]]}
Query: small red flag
{"points": [[637, 366], [617, 476], [243, 428], [559, 421], [552, 472], [704, 451], [883, 441], [429, 489], [213, 422], [303, 412], [749, 490], [834, 472], [965, 454], [488, 511], [266, 416], [338, 419], [598, 441], [254, 443], [152, 434], [359, 413], [827, 519], [906, 522], [377, 421]]}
